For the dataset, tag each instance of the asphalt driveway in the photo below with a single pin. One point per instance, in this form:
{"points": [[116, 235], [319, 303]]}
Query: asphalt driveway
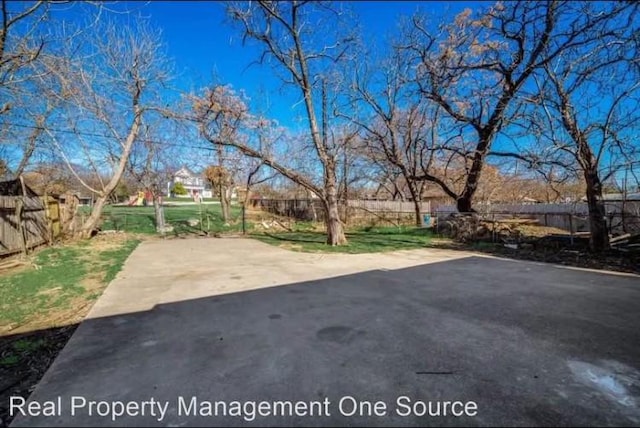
{"points": [[216, 321]]}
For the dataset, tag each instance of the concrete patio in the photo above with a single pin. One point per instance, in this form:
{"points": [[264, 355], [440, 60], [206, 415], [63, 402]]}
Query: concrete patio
{"points": [[238, 320]]}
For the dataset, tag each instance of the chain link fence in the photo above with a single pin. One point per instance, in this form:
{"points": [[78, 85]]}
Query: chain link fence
{"points": [[514, 228], [183, 219], [289, 213]]}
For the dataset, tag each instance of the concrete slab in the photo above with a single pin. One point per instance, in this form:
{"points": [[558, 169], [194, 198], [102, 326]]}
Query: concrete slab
{"points": [[237, 320]]}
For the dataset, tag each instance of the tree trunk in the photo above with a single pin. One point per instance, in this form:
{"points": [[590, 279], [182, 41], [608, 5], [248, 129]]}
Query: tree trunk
{"points": [[92, 221], [599, 240], [247, 197], [417, 203], [159, 212], [345, 184], [224, 203], [312, 206], [226, 206], [473, 178], [464, 204], [335, 231], [417, 206], [96, 210]]}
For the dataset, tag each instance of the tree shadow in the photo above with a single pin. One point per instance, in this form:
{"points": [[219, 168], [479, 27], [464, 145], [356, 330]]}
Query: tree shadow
{"points": [[373, 334]]}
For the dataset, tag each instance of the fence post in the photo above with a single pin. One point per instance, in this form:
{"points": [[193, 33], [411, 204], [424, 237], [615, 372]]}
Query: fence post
{"points": [[21, 224], [493, 223], [23, 238], [47, 214], [244, 220], [571, 227]]}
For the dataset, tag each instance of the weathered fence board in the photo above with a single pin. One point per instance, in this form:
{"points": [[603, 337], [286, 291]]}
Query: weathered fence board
{"points": [[312, 210], [622, 216], [390, 206], [54, 216], [576, 208], [24, 222]]}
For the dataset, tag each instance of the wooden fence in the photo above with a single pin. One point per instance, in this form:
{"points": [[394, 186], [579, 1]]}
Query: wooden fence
{"points": [[312, 210], [27, 222], [389, 206], [574, 208], [622, 216]]}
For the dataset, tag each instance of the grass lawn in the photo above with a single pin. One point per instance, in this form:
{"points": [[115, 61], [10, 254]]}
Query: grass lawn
{"points": [[142, 219], [362, 240], [41, 305], [61, 284], [189, 199]]}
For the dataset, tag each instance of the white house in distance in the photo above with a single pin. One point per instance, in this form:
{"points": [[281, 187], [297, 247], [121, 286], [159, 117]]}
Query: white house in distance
{"points": [[195, 184]]}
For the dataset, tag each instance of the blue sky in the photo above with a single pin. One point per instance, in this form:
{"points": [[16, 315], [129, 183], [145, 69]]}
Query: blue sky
{"points": [[205, 47], [204, 44]]}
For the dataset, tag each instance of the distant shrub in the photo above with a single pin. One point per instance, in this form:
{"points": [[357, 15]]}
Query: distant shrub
{"points": [[178, 189]]}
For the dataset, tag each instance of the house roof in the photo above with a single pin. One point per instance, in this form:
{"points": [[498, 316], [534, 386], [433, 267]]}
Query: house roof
{"points": [[186, 171], [14, 188]]}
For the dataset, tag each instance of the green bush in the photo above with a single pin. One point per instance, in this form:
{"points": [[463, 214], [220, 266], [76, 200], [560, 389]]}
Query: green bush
{"points": [[178, 189]]}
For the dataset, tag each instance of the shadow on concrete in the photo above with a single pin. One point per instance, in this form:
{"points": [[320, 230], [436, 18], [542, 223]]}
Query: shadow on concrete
{"points": [[531, 345]]}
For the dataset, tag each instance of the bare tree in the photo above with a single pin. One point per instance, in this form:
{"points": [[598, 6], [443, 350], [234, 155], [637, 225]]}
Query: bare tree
{"points": [[289, 38], [29, 30], [109, 80], [221, 181], [222, 117], [21, 44], [151, 164], [400, 130], [587, 105], [19, 47], [253, 169], [476, 67]]}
